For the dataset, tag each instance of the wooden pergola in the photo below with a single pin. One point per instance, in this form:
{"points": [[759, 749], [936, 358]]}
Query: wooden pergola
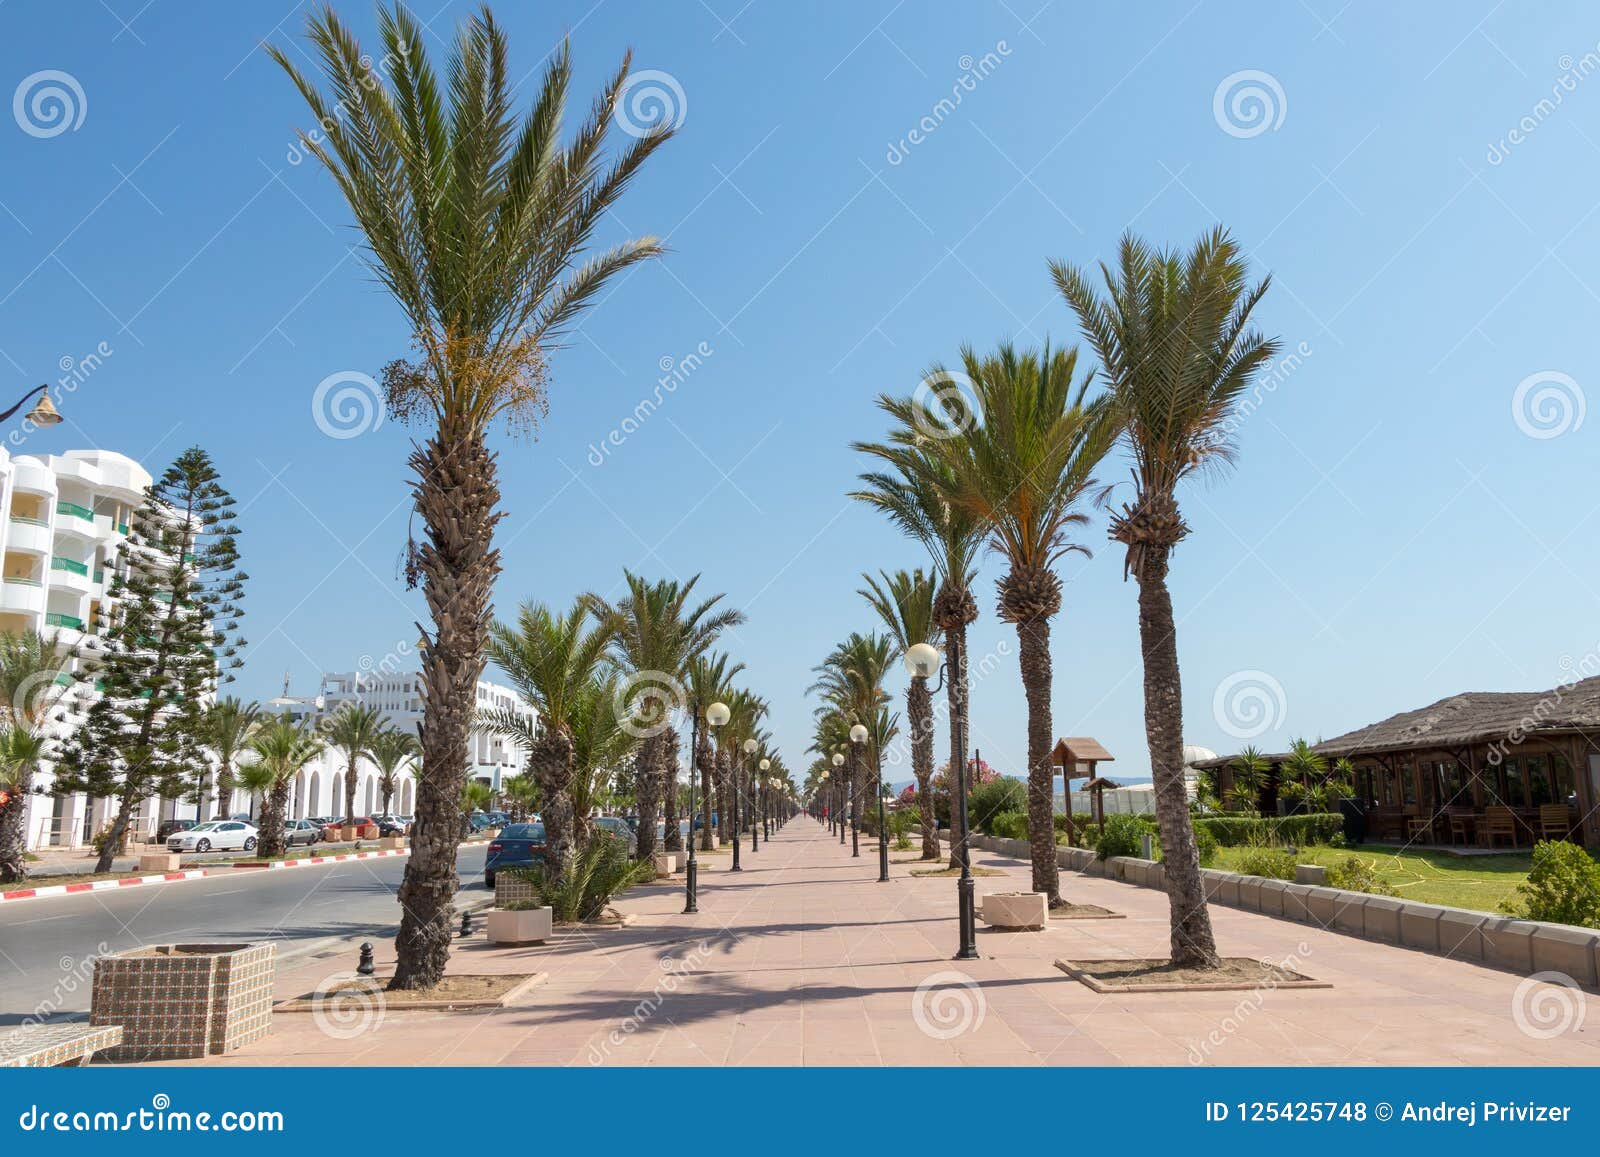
{"points": [[1077, 756], [1096, 788]]}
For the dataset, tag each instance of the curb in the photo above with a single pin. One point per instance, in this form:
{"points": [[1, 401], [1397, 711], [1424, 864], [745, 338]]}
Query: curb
{"points": [[51, 890]]}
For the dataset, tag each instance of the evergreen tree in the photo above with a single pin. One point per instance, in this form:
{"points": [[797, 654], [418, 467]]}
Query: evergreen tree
{"points": [[168, 637]]}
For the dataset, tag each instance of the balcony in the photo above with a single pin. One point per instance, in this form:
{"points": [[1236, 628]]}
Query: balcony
{"points": [[73, 509], [67, 564], [55, 619], [25, 595], [74, 519], [68, 573], [30, 534]]}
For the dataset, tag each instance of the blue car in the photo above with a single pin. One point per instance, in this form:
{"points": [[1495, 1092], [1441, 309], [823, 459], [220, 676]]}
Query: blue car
{"points": [[517, 846]]}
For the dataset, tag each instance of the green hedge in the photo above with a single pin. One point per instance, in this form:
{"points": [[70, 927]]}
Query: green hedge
{"points": [[1312, 828]]}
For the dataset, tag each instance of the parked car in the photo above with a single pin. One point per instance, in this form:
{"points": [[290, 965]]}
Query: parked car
{"points": [[479, 821], [305, 832], [619, 827], [517, 846], [218, 835], [390, 825], [168, 828]]}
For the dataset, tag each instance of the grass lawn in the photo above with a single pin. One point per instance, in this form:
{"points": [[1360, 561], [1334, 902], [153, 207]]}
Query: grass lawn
{"points": [[1476, 882]]}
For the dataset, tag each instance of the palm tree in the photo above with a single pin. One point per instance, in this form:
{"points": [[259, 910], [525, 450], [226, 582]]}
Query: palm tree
{"points": [[552, 661], [352, 730], [710, 681], [1025, 473], [480, 224], [904, 601], [601, 744], [227, 726], [31, 667], [282, 748], [1249, 770], [850, 681], [911, 490], [656, 634], [1173, 335], [522, 793], [746, 710], [391, 749]]}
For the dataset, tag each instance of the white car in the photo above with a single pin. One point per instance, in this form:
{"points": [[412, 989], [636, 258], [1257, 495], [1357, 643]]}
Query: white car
{"points": [[216, 836]]}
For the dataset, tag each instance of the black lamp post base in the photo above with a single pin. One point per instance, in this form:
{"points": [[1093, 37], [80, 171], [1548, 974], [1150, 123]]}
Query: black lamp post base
{"points": [[691, 884]]}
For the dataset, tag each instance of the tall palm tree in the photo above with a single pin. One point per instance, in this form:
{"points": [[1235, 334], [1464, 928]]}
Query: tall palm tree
{"points": [[904, 601], [282, 748], [552, 661], [227, 725], [911, 489], [746, 710], [352, 730], [656, 633], [602, 743], [31, 667], [481, 226], [522, 793], [1025, 473], [850, 681], [1172, 332], [391, 749], [710, 681]]}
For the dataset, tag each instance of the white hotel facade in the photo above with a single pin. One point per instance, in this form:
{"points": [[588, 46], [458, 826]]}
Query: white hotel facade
{"points": [[65, 515]]}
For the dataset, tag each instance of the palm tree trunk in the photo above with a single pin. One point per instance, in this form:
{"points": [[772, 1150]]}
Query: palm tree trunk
{"points": [[1193, 945], [919, 711], [277, 803], [350, 788], [1033, 639], [551, 762], [647, 791], [706, 762], [13, 829], [956, 677], [724, 812], [456, 495], [671, 837]]}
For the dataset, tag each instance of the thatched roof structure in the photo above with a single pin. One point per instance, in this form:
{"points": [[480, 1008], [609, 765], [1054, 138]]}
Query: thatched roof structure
{"points": [[1472, 717]]}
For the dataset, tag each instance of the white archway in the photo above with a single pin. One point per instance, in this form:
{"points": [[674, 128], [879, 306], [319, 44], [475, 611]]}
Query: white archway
{"points": [[372, 794], [337, 806], [405, 799], [314, 795]]}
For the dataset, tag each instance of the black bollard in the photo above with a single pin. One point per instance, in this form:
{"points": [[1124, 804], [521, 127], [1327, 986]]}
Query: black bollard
{"points": [[466, 925], [365, 967]]}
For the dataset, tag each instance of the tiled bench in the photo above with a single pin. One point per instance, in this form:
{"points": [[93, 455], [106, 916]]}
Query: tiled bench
{"points": [[38, 1046]]}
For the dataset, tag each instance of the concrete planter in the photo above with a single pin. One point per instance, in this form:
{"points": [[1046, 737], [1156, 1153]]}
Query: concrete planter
{"points": [[184, 1001], [1310, 874], [665, 863], [520, 925], [511, 890], [160, 862], [391, 843], [1016, 909]]}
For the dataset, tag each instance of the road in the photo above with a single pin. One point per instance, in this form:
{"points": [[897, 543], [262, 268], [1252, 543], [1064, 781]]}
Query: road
{"points": [[47, 946]]}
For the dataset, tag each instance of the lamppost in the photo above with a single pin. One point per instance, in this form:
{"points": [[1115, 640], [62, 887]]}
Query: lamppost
{"points": [[766, 811], [838, 790], [716, 716], [761, 816], [43, 413], [827, 799], [924, 662], [858, 736]]}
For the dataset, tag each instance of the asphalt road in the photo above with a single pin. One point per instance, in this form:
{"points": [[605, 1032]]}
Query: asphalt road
{"points": [[47, 946]]}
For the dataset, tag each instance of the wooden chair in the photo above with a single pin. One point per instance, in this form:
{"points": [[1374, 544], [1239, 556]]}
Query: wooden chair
{"points": [[1420, 827], [1463, 824], [1555, 823], [1498, 823]]}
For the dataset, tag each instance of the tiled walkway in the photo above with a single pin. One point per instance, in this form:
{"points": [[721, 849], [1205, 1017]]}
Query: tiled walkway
{"points": [[805, 959]]}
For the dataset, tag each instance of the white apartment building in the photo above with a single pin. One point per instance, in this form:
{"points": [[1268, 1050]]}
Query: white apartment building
{"points": [[65, 516], [399, 696]]}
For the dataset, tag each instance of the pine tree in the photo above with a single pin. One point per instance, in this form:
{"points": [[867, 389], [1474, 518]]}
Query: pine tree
{"points": [[169, 637]]}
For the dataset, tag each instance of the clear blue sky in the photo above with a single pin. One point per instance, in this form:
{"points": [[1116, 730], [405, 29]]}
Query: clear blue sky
{"points": [[1390, 535]]}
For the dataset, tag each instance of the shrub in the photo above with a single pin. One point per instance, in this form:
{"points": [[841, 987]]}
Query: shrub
{"points": [[1563, 885], [1358, 875], [1273, 863], [591, 879], [990, 800], [1009, 826], [1121, 836], [1311, 828], [1206, 845]]}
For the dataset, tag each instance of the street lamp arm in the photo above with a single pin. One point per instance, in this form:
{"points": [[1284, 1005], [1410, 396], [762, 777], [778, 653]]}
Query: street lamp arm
{"points": [[24, 401]]}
